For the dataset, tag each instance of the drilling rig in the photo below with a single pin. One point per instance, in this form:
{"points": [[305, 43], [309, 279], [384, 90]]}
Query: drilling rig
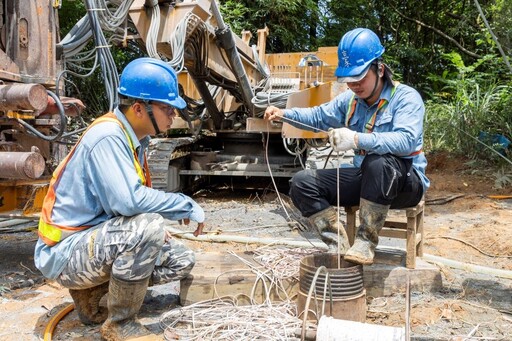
{"points": [[226, 82]]}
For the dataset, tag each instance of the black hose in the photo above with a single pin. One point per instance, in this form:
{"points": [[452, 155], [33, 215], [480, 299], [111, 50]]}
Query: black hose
{"points": [[63, 121]]}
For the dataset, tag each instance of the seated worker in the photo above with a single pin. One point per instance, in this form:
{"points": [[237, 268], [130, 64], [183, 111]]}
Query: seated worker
{"points": [[382, 121], [102, 225]]}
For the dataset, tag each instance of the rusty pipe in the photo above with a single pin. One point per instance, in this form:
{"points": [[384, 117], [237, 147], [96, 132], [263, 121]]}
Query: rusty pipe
{"points": [[21, 165], [23, 97], [72, 107]]}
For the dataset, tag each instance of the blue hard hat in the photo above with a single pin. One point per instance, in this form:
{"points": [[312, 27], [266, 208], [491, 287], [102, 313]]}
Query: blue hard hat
{"points": [[357, 49], [151, 79]]}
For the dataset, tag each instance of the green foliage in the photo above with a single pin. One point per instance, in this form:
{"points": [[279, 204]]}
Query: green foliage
{"points": [[502, 22], [292, 23], [235, 13], [69, 14], [470, 102], [502, 178]]}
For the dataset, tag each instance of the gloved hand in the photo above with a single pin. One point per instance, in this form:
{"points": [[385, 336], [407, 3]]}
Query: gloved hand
{"points": [[273, 114], [342, 139]]}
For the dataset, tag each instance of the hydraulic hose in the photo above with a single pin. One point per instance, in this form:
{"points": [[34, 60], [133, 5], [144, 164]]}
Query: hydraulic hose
{"points": [[63, 121], [225, 37], [48, 331]]}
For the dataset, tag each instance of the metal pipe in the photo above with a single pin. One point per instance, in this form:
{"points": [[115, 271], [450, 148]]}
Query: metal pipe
{"points": [[226, 40], [21, 165], [23, 97]]}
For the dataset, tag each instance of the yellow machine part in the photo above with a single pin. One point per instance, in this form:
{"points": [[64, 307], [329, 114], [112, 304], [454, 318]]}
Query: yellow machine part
{"points": [[22, 198]]}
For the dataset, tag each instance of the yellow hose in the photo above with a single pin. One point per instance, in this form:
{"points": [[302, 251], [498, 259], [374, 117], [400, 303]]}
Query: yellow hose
{"points": [[48, 332], [500, 196]]}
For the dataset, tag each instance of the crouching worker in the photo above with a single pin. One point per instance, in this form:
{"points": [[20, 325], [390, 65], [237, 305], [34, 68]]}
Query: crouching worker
{"points": [[102, 225], [382, 121]]}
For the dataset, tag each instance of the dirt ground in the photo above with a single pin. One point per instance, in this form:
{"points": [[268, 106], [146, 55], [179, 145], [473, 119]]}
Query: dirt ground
{"points": [[462, 223]]}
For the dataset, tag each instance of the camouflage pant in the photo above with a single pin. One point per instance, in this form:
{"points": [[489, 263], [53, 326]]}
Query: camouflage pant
{"points": [[129, 248]]}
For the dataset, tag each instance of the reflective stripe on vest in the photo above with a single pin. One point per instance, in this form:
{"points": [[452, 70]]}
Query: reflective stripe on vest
{"points": [[371, 122], [51, 233], [383, 103]]}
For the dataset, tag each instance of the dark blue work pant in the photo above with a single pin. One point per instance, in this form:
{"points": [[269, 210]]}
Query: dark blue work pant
{"points": [[383, 179]]}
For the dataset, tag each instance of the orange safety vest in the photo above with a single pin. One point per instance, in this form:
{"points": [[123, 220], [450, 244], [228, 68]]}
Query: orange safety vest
{"points": [[371, 122], [51, 233]]}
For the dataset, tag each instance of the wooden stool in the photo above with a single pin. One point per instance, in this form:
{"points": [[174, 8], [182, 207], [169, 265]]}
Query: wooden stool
{"points": [[411, 231]]}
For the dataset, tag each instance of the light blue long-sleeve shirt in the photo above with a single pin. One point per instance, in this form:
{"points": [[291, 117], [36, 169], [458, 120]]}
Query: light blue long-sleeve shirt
{"points": [[100, 182], [398, 128]]}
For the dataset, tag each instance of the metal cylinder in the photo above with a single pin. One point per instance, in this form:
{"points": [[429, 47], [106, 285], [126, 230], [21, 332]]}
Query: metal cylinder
{"points": [[21, 165], [346, 279], [23, 97]]}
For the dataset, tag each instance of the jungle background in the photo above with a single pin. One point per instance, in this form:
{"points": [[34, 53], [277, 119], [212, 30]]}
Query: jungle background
{"points": [[455, 53]]}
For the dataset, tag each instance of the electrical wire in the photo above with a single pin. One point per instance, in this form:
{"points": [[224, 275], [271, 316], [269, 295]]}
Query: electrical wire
{"points": [[188, 25], [154, 26], [102, 16]]}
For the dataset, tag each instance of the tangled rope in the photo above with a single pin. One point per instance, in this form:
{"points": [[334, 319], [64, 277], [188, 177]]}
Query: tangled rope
{"points": [[227, 318], [223, 319]]}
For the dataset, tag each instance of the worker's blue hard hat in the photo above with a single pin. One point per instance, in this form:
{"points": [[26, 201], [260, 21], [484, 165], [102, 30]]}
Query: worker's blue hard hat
{"points": [[151, 79], [357, 49]]}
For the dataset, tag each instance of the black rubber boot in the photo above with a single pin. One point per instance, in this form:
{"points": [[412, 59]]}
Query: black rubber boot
{"points": [[87, 304], [326, 222], [124, 302], [372, 217]]}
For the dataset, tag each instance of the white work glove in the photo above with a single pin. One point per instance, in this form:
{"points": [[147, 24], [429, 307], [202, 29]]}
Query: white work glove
{"points": [[342, 139]]}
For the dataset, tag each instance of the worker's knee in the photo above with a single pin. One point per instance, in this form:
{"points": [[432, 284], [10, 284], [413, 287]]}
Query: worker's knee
{"points": [[187, 266], [373, 165], [300, 182], [175, 262], [383, 177]]}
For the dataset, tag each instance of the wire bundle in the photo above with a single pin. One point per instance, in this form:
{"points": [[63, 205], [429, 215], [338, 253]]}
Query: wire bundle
{"points": [[102, 16], [223, 319], [284, 263], [226, 318]]}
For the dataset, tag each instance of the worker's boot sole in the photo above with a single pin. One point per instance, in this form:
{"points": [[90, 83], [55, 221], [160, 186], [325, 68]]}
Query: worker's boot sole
{"points": [[362, 252], [127, 330]]}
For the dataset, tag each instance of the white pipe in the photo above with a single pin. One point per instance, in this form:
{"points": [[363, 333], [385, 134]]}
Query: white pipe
{"points": [[331, 329], [250, 240], [467, 267]]}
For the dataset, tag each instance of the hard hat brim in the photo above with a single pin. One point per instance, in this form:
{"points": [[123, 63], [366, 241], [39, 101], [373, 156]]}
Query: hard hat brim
{"points": [[351, 79], [178, 103]]}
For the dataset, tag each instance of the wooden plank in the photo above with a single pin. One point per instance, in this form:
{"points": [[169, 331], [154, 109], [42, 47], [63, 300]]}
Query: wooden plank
{"points": [[393, 233], [418, 239], [303, 99], [396, 224], [217, 274], [386, 279]]}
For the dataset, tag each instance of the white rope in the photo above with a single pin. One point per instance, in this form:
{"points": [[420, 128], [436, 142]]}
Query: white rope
{"points": [[227, 318]]}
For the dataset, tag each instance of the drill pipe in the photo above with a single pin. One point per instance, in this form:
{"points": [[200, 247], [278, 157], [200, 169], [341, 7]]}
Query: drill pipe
{"points": [[21, 165], [23, 97]]}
